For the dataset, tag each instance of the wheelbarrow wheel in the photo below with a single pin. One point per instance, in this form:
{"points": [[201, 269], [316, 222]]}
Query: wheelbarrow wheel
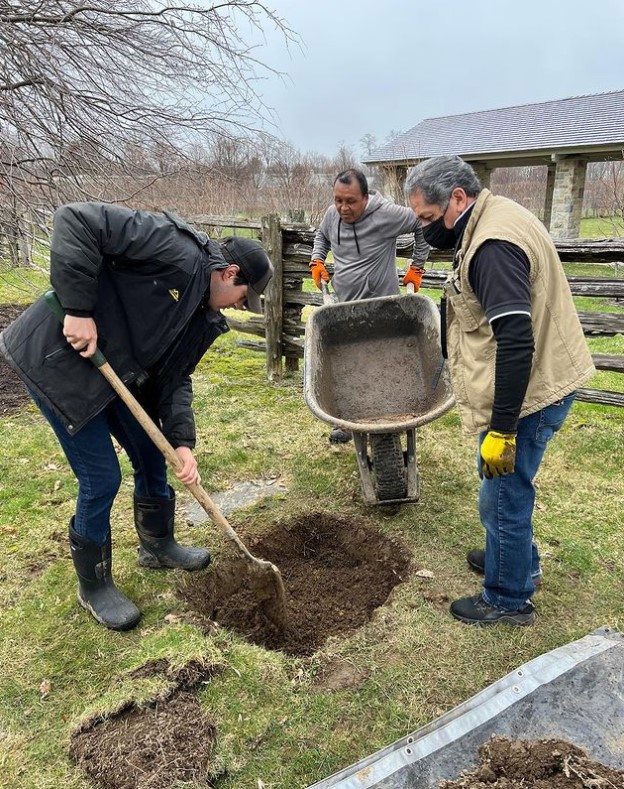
{"points": [[388, 466]]}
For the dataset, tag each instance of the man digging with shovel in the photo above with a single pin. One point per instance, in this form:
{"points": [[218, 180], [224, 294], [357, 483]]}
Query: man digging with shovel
{"points": [[149, 290]]}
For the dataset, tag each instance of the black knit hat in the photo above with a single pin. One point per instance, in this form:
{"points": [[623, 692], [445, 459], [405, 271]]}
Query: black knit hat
{"points": [[254, 264]]}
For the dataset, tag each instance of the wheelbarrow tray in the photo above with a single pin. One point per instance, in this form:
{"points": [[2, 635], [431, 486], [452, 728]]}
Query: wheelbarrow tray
{"points": [[375, 366], [574, 693]]}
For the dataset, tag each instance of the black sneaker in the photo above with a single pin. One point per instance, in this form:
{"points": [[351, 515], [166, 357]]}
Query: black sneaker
{"points": [[476, 561], [340, 436], [475, 611]]}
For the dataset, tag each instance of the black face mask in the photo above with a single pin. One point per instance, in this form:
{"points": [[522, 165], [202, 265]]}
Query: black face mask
{"points": [[438, 235]]}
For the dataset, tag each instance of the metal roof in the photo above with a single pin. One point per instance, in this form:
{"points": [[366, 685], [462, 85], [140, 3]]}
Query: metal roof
{"points": [[593, 123]]}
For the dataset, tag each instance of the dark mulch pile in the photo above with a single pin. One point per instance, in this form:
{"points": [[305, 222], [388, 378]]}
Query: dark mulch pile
{"points": [[336, 572], [148, 748], [536, 764], [172, 740], [13, 395]]}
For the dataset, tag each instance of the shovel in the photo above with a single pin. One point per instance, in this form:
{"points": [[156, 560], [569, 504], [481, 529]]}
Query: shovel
{"points": [[265, 579]]}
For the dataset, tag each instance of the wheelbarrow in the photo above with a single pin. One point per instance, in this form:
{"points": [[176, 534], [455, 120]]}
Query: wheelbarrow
{"points": [[374, 367]]}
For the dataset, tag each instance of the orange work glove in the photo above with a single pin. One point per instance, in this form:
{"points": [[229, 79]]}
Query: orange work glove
{"points": [[414, 274], [319, 272]]}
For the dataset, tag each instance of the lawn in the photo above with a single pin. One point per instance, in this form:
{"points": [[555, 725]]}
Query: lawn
{"points": [[602, 227], [279, 723]]}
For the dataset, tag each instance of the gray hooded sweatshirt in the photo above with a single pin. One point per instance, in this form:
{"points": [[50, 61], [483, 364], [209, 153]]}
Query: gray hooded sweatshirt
{"points": [[365, 251]]}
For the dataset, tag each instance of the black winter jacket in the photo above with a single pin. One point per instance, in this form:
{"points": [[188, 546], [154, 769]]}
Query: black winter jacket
{"points": [[144, 278]]}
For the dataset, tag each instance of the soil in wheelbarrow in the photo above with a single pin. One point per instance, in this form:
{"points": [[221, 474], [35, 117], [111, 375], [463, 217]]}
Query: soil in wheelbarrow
{"points": [[13, 394], [337, 572], [536, 764]]}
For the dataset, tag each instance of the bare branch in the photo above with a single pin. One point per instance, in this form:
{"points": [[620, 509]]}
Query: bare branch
{"points": [[84, 84]]}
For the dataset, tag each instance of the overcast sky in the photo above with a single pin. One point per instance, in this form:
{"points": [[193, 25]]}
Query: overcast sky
{"points": [[376, 66]]}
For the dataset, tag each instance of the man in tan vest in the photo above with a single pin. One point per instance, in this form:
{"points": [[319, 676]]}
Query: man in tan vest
{"points": [[516, 354]]}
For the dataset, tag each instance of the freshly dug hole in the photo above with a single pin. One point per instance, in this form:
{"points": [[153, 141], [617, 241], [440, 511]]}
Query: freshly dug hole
{"points": [[336, 572]]}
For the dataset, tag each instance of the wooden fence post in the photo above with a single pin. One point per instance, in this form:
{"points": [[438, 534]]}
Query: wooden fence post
{"points": [[273, 296]]}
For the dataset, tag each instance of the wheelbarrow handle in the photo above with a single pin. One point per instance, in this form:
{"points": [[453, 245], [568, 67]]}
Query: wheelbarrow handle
{"points": [[329, 296]]}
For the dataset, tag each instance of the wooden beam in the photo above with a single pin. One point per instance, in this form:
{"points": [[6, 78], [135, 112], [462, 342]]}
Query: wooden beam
{"points": [[600, 397], [602, 323], [274, 296], [605, 361], [208, 220]]}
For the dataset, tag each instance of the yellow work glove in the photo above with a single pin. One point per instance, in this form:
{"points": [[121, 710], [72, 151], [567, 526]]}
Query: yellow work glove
{"points": [[498, 454], [414, 275], [319, 272]]}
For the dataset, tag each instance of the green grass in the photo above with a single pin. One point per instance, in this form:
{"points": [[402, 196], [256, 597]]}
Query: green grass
{"points": [[22, 286], [602, 227], [274, 724]]}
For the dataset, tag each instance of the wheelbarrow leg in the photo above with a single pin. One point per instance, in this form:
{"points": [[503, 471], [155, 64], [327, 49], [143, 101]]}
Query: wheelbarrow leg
{"points": [[413, 487], [361, 452]]}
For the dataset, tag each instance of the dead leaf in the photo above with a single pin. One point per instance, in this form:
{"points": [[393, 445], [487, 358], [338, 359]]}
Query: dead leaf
{"points": [[45, 688], [172, 619], [298, 677]]}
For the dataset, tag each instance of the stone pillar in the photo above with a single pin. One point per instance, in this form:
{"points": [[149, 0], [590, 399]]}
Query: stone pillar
{"points": [[483, 172], [567, 200], [548, 199]]}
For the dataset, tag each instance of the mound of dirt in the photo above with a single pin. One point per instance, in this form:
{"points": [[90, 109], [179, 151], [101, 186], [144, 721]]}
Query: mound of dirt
{"points": [[152, 748], [13, 394], [336, 573], [536, 764]]}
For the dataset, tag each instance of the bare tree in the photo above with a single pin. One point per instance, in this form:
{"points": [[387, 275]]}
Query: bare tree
{"points": [[368, 143], [102, 99], [298, 183], [604, 192], [525, 185], [345, 158]]}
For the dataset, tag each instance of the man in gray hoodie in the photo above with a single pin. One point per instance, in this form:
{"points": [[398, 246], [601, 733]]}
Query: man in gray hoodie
{"points": [[361, 230]]}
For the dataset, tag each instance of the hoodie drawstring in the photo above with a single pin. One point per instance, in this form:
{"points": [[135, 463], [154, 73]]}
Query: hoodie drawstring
{"points": [[357, 246]]}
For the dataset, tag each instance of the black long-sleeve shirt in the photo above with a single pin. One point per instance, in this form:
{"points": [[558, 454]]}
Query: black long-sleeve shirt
{"points": [[499, 276]]}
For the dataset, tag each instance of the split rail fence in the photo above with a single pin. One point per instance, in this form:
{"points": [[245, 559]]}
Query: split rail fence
{"points": [[280, 331]]}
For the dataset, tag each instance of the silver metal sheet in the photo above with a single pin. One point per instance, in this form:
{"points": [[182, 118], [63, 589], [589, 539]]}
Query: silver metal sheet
{"points": [[574, 693]]}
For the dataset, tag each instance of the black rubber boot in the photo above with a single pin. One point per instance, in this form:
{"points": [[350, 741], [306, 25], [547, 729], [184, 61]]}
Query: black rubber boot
{"points": [[96, 589], [153, 519]]}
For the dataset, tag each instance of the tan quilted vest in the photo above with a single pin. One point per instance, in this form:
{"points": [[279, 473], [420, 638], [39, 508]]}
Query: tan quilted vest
{"points": [[561, 362]]}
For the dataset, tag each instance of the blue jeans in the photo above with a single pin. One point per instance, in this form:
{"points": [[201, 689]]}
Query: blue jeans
{"points": [[93, 460], [506, 508]]}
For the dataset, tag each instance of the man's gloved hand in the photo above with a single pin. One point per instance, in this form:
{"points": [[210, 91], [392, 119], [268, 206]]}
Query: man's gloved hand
{"points": [[319, 272], [414, 275], [498, 454]]}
